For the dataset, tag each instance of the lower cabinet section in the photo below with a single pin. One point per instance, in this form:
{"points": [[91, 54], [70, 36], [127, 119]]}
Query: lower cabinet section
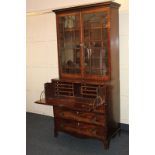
{"points": [[83, 109], [81, 124]]}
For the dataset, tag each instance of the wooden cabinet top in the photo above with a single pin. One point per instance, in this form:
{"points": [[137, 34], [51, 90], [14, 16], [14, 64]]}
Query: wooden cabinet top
{"points": [[105, 4]]}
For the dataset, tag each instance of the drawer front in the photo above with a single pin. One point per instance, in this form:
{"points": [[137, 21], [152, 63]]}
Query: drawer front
{"points": [[86, 117], [81, 128]]}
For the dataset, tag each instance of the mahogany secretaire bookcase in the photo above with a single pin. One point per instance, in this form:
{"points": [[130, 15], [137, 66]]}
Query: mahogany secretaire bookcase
{"points": [[86, 97]]}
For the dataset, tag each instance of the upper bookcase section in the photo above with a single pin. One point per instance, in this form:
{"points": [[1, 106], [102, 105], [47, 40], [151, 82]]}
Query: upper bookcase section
{"points": [[88, 41]]}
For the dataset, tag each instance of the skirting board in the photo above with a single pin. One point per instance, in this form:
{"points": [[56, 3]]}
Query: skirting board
{"points": [[124, 126]]}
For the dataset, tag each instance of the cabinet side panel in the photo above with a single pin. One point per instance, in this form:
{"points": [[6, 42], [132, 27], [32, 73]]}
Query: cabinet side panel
{"points": [[114, 46], [58, 36]]}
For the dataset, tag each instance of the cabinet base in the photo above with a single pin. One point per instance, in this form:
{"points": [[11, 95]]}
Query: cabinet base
{"points": [[106, 142]]}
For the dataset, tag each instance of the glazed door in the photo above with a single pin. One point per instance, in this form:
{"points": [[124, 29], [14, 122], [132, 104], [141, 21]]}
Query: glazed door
{"points": [[69, 45], [96, 49]]}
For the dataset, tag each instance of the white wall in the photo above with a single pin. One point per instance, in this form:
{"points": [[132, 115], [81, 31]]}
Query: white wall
{"points": [[42, 58], [42, 61]]}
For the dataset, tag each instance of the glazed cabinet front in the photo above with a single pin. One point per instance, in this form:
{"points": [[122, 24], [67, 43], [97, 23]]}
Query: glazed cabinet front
{"points": [[96, 49], [83, 44], [69, 45]]}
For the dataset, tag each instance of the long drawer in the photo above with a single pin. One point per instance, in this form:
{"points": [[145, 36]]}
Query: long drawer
{"points": [[87, 117], [81, 128]]}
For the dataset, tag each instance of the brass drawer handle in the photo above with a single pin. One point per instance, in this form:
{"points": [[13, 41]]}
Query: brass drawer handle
{"points": [[77, 113], [78, 124]]}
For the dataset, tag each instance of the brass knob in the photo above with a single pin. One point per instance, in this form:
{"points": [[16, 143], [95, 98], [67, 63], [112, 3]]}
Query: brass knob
{"points": [[78, 124], [77, 112]]}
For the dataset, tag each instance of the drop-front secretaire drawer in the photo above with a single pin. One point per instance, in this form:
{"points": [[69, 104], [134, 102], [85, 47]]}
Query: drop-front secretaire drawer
{"points": [[87, 117]]}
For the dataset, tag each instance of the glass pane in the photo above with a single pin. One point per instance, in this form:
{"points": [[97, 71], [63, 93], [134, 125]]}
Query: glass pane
{"points": [[95, 43], [69, 40], [95, 59]]}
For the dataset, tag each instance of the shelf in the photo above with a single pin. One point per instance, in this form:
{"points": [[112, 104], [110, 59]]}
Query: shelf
{"points": [[89, 94], [64, 84], [69, 48], [91, 28], [95, 40], [95, 48], [91, 87], [93, 68], [59, 87], [71, 67], [70, 29], [85, 90], [103, 59], [63, 91], [97, 27]]}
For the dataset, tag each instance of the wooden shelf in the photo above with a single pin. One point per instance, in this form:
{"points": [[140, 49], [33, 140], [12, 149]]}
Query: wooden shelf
{"points": [[71, 29], [91, 28], [59, 87], [74, 48], [87, 90], [64, 67]]}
